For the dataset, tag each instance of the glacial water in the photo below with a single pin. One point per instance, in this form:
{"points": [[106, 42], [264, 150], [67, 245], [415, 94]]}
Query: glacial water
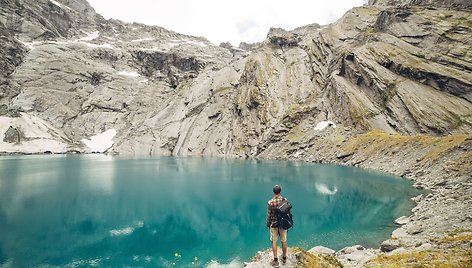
{"points": [[103, 211]]}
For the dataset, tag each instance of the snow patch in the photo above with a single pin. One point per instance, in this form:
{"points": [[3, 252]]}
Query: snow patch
{"points": [[90, 36], [323, 189], [238, 49], [58, 42], [142, 40], [56, 3], [196, 43], [101, 142], [154, 49], [324, 124], [130, 74], [106, 45], [30, 45]]}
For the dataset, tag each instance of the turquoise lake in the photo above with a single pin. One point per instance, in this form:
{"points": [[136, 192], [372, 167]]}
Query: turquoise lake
{"points": [[104, 211]]}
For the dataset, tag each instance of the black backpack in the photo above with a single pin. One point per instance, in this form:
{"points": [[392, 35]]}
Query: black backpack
{"points": [[283, 214]]}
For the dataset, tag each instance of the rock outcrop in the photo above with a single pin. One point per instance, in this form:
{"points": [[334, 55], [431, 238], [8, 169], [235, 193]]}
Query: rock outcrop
{"points": [[397, 69], [394, 78], [433, 3]]}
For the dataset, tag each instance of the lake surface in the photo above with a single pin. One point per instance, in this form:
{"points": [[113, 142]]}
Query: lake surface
{"points": [[96, 210]]}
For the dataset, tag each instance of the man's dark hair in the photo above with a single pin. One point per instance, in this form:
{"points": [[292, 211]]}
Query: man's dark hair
{"points": [[277, 189]]}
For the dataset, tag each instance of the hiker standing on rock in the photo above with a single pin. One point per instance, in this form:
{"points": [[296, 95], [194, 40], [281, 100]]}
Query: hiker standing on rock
{"points": [[279, 219]]}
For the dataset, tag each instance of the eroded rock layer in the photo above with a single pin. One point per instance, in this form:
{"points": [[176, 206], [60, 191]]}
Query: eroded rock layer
{"points": [[387, 86], [399, 69]]}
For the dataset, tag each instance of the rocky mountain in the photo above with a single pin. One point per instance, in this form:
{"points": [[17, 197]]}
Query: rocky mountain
{"points": [[387, 86], [397, 69]]}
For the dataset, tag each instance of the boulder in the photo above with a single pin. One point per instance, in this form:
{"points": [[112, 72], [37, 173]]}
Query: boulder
{"points": [[355, 256], [402, 220], [389, 245], [322, 250], [398, 233], [352, 249], [415, 229], [12, 135]]}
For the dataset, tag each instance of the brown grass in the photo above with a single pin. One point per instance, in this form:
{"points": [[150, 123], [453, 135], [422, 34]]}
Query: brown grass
{"points": [[316, 260], [428, 258]]}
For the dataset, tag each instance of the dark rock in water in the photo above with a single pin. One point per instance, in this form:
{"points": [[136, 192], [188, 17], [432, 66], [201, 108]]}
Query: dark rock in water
{"points": [[12, 135]]}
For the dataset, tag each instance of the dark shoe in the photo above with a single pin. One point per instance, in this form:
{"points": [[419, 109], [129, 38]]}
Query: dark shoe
{"points": [[284, 259], [275, 263]]}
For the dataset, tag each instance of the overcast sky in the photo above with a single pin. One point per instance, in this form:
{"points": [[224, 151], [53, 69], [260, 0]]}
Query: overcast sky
{"points": [[219, 21]]}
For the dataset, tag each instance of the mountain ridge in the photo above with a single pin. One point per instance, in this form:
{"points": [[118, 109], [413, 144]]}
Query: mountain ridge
{"points": [[386, 87]]}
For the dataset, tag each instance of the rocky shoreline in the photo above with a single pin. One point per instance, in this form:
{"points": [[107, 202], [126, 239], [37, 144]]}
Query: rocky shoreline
{"points": [[440, 223], [439, 230], [386, 87]]}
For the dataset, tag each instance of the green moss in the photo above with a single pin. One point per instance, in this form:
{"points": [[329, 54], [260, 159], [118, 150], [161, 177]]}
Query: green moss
{"points": [[391, 90], [456, 121], [370, 31], [295, 134], [359, 116], [223, 89]]}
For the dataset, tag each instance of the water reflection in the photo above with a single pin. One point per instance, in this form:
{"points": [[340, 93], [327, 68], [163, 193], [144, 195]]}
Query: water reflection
{"points": [[117, 211], [324, 189]]}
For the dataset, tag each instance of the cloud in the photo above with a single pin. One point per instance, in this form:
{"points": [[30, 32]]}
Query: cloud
{"points": [[220, 21]]}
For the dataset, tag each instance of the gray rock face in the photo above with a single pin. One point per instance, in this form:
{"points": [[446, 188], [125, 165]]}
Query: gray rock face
{"points": [[395, 80], [442, 3], [12, 135], [166, 93], [45, 20], [281, 38]]}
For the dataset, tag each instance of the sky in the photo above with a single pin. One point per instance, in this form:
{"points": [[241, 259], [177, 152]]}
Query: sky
{"points": [[222, 21]]}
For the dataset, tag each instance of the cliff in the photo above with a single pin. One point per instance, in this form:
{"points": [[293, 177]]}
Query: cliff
{"points": [[387, 86], [396, 69]]}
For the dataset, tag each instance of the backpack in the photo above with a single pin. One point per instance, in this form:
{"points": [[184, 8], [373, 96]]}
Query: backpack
{"points": [[283, 214]]}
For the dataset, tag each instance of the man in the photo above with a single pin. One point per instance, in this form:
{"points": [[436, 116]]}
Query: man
{"points": [[275, 232]]}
